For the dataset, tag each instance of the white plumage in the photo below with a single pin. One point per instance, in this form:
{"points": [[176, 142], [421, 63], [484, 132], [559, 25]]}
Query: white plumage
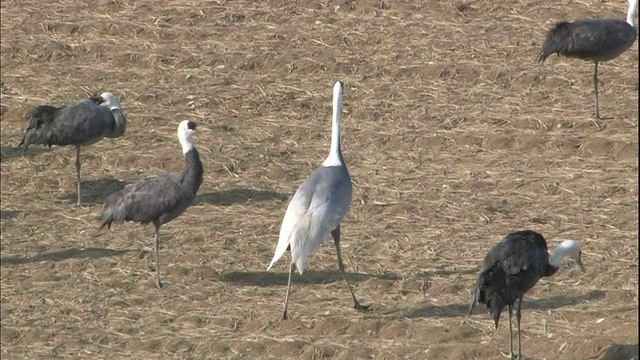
{"points": [[318, 207]]}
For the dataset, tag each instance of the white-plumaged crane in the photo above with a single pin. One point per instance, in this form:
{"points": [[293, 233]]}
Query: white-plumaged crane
{"points": [[317, 208]]}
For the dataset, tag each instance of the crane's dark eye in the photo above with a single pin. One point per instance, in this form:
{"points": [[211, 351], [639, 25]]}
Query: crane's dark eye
{"points": [[191, 125]]}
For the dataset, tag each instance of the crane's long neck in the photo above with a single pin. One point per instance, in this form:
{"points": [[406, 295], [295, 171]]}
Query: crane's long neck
{"points": [[120, 123], [193, 172], [632, 12], [335, 153], [556, 259], [554, 262]]}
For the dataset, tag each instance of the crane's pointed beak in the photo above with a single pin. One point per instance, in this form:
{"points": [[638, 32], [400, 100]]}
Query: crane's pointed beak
{"points": [[581, 264]]}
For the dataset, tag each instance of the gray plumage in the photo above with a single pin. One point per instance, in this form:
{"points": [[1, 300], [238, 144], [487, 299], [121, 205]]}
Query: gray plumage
{"points": [[161, 198], [513, 267], [594, 40], [80, 123], [318, 207]]}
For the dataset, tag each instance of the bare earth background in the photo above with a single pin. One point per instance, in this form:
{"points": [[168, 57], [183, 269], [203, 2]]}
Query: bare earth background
{"points": [[452, 132]]}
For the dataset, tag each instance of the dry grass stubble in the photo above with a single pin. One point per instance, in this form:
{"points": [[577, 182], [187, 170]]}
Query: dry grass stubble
{"points": [[453, 135]]}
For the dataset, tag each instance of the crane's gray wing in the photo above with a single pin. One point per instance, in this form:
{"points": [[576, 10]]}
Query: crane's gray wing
{"points": [[516, 264], [318, 207], [157, 198], [80, 122], [601, 39]]}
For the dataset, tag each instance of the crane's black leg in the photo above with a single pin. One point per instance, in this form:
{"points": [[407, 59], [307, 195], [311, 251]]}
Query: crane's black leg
{"points": [[78, 173], [511, 354], [336, 238], [286, 297], [518, 317], [600, 121], [156, 242]]}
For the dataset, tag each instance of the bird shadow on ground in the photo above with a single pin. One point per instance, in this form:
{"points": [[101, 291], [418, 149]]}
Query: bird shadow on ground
{"points": [[73, 253], [460, 310], [10, 152], [267, 278], [95, 191], [8, 214], [234, 196], [620, 351], [446, 272]]}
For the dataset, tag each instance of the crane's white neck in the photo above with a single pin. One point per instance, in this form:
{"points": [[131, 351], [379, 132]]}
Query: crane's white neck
{"points": [[565, 248], [187, 144], [335, 154], [632, 12], [185, 136]]}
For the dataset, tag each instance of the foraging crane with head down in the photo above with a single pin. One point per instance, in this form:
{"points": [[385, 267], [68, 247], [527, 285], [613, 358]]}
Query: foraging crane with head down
{"points": [[593, 40], [513, 267], [316, 210]]}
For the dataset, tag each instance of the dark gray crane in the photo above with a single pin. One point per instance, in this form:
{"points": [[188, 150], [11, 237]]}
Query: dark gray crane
{"points": [[317, 208], [592, 40], [161, 198], [513, 267], [80, 123]]}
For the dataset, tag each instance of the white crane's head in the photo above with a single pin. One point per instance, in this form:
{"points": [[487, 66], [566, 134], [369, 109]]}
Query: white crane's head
{"points": [[632, 12], [337, 88], [570, 249], [186, 130], [109, 100]]}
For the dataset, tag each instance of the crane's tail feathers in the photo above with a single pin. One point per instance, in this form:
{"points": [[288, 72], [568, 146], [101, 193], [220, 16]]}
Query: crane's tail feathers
{"points": [[24, 144], [299, 240], [281, 248], [495, 307], [107, 218], [557, 41], [487, 293], [474, 301]]}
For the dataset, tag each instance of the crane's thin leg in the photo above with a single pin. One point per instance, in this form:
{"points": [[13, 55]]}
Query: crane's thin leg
{"points": [[518, 317], [336, 238], [600, 121], [156, 241], [286, 297], [511, 354], [78, 173]]}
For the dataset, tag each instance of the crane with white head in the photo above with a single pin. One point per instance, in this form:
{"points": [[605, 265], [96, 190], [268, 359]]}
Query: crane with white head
{"points": [[513, 267], [318, 207], [80, 123], [161, 198]]}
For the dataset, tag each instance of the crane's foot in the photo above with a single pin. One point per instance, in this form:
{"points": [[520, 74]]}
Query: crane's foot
{"points": [[284, 316], [159, 284], [511, 356], [600, 121], [361, 307]]}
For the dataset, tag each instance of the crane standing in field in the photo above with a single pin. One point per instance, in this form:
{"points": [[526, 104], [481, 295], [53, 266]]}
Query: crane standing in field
{"points": [[512, 268], [592, 39], [161, 198], [81, 123], [317, 208]]}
